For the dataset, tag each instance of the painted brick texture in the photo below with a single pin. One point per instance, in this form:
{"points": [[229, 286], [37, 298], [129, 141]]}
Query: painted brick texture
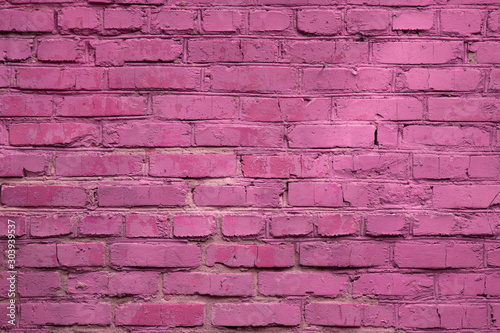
{"points": [[269, 165]]}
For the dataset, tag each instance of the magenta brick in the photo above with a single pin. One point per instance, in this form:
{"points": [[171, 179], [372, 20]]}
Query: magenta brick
{"points": [[395, 108], [367, 21], [437, 255], [445, 136], [143, 195], [292, 225], [140, 77], [154, 255], [269, 20], [484, 167], [101, 106], [405, 52], [320, 52], [17, 105], [342, 79], [464, 109], [256, 314], [303, 109], [51, 225], [319, 22], [344, 254], [17, 223], [393, 284], [5, 76], [98, 164], [380, 165], [43, 195], [66, 313], [494, 82], [265, 195], [433, 79], [79, 18], [465, 196], [100, 225], [242, 225], [485, 52], [425, 166], [224, 50], [124, 19], [53, 134], [137, 50], [337, 225], [214, 195], [270, 166], [88, 283], [37, 255], [334, 314], [493, 21], [144, 134], [223, 21], [33, 284], [330, 136], [14, 49], [299, 284], [317, 194], [171, 315], [411, 19], [133, 283], [238, 135], [448, 316], [251, 255], [20, 20], [461, 22], [379, 315], [192, 165], [24, 165], [461, 284], [213, 284], [54, 50], [447, 224], [193, 226], [387, 134], [386, 225], [81, 254], [387, 194], [188, 107], [54, 78], [167, 20], [143, 225], [260, 109], [493, 256]]}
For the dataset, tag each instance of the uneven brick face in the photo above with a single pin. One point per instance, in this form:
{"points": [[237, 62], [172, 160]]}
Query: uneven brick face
{"points": [[268, 165]]}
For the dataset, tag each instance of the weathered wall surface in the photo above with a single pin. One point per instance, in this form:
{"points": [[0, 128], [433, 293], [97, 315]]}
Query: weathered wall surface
{"points": [[296, 165]]}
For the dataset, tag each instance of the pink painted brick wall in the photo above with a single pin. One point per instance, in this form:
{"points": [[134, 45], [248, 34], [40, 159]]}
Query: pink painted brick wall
{"points": [[287, 165]]}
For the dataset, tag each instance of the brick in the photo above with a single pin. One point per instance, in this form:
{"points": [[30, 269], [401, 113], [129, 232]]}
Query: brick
{"points": [[337, 225], [423, 20], [493, 256], [146, 134], [53, 134], [38, 284], [386, 225], [269, 21], [53, 78], [260, 109], [461, 22], [251, 255], [124, 19], [193, 226], [319, 22], [53, 50], [304, 109], [192, 165], [19, 20], [379, 315], [395, 108], [437, 255], [485, 52], [330, 136], [301, 284], [417, 135], [344, 254], [18, 221], [449, 316], [101, 106], [100, 225], [343, 79], [133, 283], [213, 284], [493, 21], [222, 21], [51, 225], [444, 225], [464, 109], [461, 284], [167, 20], [253, 79], [367, 21], [453, 167], [425, 166], [393, 284], [229, 50], [5, 76], [265, 194], [139, 77], [242, 225], [32, 164], [333, 314], [143, 225], [255, 314], [321, 52], [37, 255], [154, 255], [484, 167], [291, 225], [79, 18], [43, 195], [386, 194], [214, 195], [137, 50], [187, 107], [402, 52], [171, 315], [98, 164], [380, 166], [81, 254], [433, 79], [270, 166], [66, 313], [17, 105], [494, 82], [317, 194], [387, 134], [14, 49], [465, 196], [238, 135], [173, 194]]}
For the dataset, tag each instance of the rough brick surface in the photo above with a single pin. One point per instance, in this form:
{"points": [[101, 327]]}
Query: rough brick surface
{"points": [[269, 165]]}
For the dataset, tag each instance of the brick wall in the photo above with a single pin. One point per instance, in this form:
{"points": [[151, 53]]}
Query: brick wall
{"points": [[295, 165]]}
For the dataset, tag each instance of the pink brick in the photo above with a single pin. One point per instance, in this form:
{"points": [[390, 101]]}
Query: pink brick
{"points": [[319, 22], [142, 195], [461, 22], [381, 165], [292, 225], [304, 109], [251, 255], [270, 166], [379, 315], [167, 20], [50, 134], [221, 284], [316, 194], [453, 167], [188, 107], [43, 195], [493, 256], [33, 284], [194, 226], [100, 225], [242, 225], [154, 255], [81, 254], [395, 108], [215, 195], [79, 18], [238, 135], [223, 21], [494, 81], [5, 76], [253, 79], [320, 52], [139, 77], [17, 223], [461, 284], [403, 52], [393, 284], [98, 164], [124, 19], [457, 79], [171, 315], [54, 50], [101, 106], [137, 50], [14, 49], [54, 78], [37, 255], [449, 316], [88, 283], [494, 21], [229, 50], [423, 20], [465, 196], [445, 136], [192, 165], [464, 109], [269, 21], [367, 21], [419, 316], [334, 314], [301, 284], [256, 314], [484, 167], [24, 165], [386, 225], [66, 313], [316, 165], [265, 194], [133, 283], [425, 166], [17, 105], [51, 225], [337, 225], [432, 256], [485, 52], [387, 134], [142, 225], [387, 194], [260, 109], [19, 20], [146, 134], [333, 79], [330, 136], [344, 254]]}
